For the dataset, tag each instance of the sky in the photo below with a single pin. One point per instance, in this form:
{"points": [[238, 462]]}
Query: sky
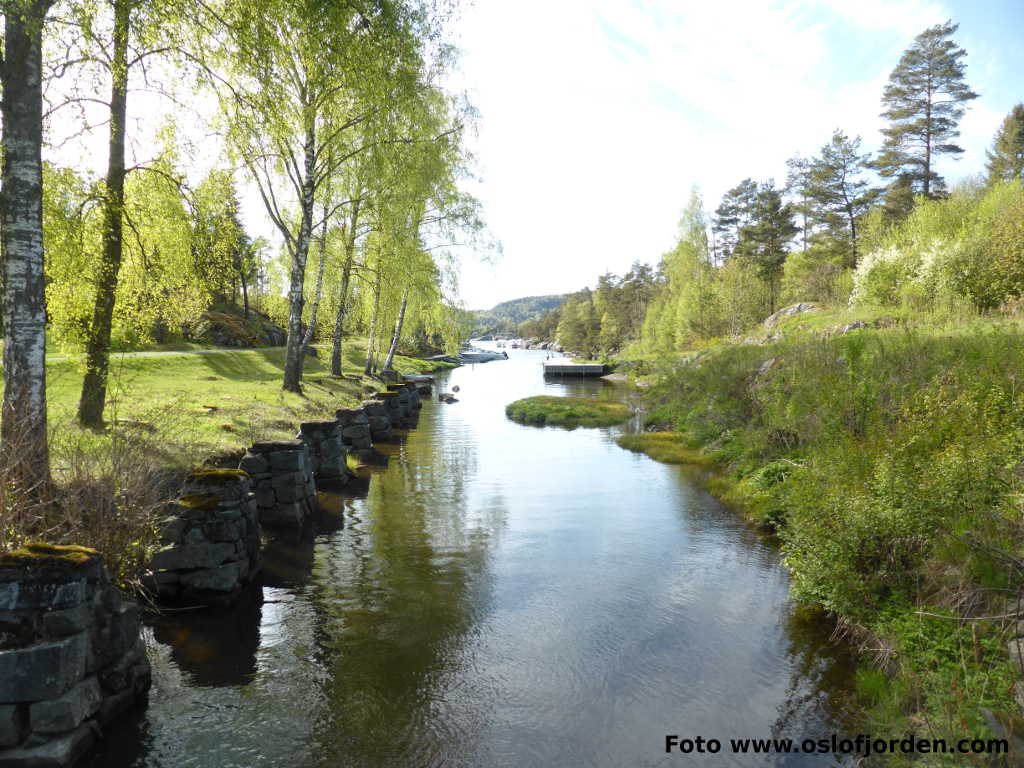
{"points": [[599, 116]]}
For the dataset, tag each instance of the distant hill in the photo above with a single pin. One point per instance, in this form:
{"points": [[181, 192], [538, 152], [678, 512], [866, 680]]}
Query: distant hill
{"points": [[503, 317]]}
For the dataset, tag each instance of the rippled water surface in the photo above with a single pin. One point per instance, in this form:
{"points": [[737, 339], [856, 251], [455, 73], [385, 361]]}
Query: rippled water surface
{"points": [[499, 595]]}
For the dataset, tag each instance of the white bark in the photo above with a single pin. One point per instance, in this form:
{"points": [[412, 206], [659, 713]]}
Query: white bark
{"points": [[398, 332], [24, 300]]}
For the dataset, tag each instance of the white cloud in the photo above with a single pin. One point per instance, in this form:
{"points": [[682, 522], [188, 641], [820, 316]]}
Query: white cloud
{"points": [[598, 117]]}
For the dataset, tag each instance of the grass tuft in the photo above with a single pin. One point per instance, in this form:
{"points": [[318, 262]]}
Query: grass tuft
{"points": [[567, 411]]}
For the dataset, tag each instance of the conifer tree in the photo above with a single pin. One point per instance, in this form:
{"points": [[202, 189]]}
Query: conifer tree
{"points": [[798, 182], [839, 193], [763, 242], [731, 216], [1006, 158], [924, 101]]}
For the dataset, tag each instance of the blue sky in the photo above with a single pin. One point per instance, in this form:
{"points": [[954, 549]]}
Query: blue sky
{"points": [[598, 117]]}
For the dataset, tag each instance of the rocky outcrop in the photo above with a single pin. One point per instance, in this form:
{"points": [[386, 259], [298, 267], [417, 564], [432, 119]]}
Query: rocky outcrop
{"points": [[791, 311], [326, 450], [229, 330], [211, 541], [71, 657], [282, 474]]}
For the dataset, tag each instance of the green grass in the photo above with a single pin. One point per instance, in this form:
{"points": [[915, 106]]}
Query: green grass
{"points": [[889, 462], [199, 406], [567, 411], [669, 447]]}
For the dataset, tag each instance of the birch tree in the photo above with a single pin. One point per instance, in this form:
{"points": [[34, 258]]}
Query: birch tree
{"points": [[23, 430], [300, 79]]}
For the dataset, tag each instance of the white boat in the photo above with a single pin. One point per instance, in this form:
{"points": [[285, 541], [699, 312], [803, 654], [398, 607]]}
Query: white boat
{"points": [[477, 355]]}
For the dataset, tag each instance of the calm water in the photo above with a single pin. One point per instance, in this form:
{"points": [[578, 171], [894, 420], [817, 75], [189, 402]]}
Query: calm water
{"points": [[499, 595]]}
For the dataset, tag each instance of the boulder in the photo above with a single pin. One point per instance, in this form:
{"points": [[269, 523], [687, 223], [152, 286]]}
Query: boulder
{"points": [[791, 311]]}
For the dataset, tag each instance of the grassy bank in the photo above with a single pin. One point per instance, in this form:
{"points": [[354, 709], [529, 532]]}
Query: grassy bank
{"points": [[219, 403], [889, 461], [566, 411], [166, 415]]}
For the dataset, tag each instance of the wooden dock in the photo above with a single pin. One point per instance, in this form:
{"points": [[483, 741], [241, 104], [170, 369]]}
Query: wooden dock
{"points": [[565, 368]]}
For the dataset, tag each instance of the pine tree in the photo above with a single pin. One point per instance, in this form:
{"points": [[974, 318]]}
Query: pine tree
{"points": [[763, 242], [1006, 158], [839, 193], [731, 216], [923, 102], [798, 182]]}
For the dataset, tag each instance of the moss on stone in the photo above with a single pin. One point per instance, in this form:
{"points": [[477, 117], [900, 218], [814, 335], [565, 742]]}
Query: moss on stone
{"points": [[199, 501], [39, 553], [214, 475]]}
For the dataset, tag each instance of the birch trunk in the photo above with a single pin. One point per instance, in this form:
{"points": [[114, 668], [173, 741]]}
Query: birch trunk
{"points": [[346, 275], [311, 327], [293, 349], [398, 332], [97, 349], [373, 328], [23, 428]]}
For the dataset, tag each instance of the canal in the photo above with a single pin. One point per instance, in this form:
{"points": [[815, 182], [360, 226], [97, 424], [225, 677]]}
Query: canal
{"points": [[498, 595]]}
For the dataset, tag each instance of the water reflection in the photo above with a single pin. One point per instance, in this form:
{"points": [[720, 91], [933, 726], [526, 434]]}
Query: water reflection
{"points": [[288, 559], [503, 596], [214, 648]]}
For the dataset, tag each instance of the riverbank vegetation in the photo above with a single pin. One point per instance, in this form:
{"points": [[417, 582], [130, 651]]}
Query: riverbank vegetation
{"points": [[876, 423], [567, 411]]}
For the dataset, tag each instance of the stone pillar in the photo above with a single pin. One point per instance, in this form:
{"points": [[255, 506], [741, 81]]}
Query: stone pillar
{"points": [[379, 419], [414, 395], [326, 450], [394, 406], [282, 471], [71, 657], [404, 398], [355, 428], [212, 541]]}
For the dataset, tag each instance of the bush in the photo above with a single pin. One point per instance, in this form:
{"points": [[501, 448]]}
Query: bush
{"points": [[970, 246]]}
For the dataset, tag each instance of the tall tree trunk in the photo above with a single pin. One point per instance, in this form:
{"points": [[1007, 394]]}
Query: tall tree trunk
{"points": [[97, 347], [23, 428], [245, 297], [293, 349], [311, 327], [346, 275], [398, 332], [368, 368]]}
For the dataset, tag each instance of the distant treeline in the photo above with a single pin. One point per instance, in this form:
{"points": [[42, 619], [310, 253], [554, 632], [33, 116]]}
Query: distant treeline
{"points": [[508, 315], [845, 226]]}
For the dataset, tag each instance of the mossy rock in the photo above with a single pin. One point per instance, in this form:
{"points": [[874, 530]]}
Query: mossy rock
{"points": [[200, 502], [217, 476], [42, 555]]}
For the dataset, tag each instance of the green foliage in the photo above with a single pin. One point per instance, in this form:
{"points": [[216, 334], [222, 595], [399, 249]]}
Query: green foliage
{"points": [[1006, 158], [568, 412], [889, 463], [968, 246], [816, 275]]}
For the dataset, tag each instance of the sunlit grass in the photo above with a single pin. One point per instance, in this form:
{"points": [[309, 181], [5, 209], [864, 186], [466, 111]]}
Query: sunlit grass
{"points": [[213, 404], [567, 411]]}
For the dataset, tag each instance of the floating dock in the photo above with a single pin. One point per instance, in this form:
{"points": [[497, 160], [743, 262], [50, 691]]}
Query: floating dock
{"points": [[564, 368]]}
